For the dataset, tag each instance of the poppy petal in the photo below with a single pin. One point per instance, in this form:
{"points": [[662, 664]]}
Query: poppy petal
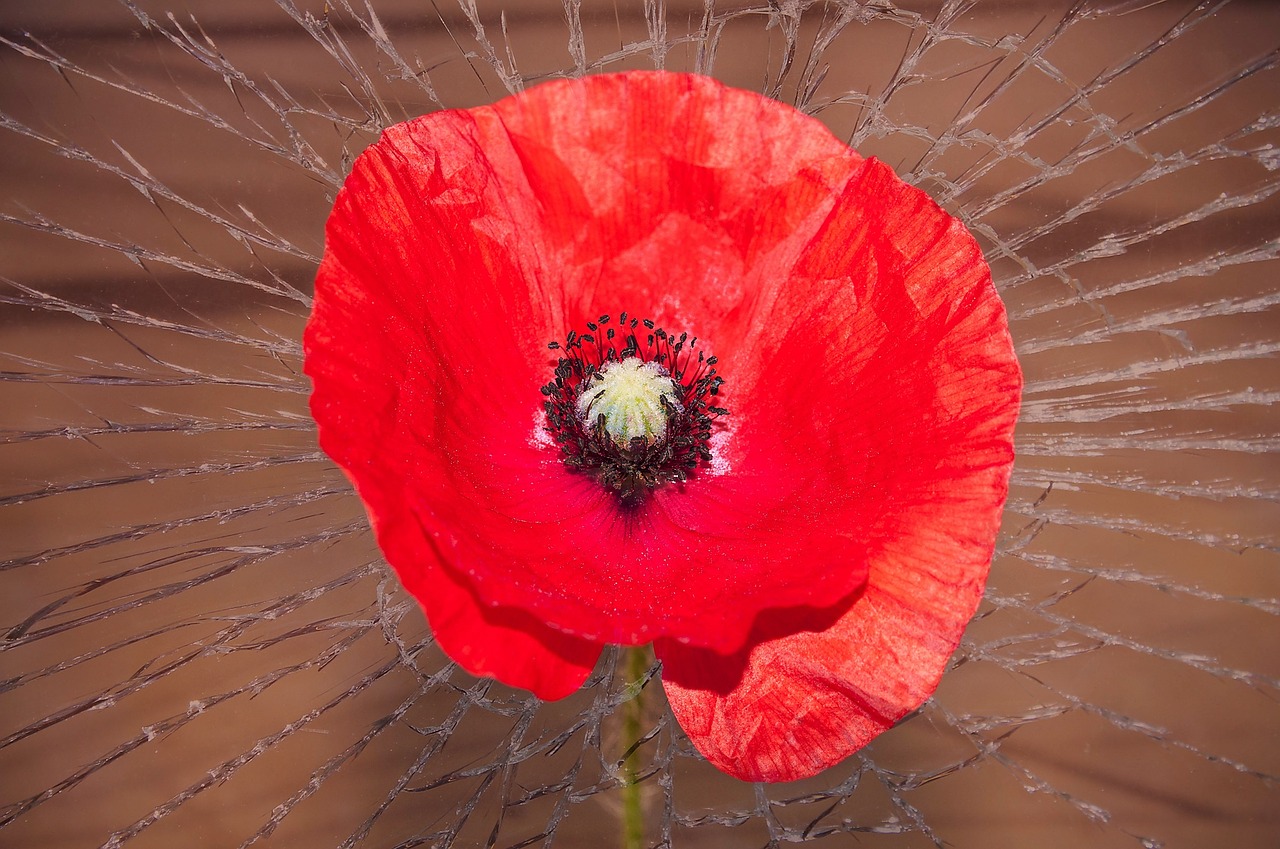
{"points": [[504, 643], [796, 701]]}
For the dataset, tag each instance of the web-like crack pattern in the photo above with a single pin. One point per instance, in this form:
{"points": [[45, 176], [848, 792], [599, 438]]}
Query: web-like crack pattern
{"points": [[201, 641]]}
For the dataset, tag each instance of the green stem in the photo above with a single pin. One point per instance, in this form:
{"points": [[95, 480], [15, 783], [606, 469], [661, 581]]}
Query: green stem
{"points": [[632, 726]]}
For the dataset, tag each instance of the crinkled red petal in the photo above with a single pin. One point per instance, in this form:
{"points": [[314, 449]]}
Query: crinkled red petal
{"points": [[510, 645], [797, 702], [807, 700], [375, 344], [507, 644], [801, 697]]}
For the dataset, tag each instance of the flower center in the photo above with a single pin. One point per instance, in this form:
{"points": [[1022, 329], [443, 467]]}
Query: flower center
{"points": [[630, 399], [631, 406]]}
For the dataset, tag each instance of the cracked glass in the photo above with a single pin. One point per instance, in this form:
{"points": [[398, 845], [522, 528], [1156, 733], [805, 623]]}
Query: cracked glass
{"points": [[201, 643]]}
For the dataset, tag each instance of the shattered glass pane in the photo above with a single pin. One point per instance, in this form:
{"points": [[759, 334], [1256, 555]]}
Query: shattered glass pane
{"points": [[201, 643]]}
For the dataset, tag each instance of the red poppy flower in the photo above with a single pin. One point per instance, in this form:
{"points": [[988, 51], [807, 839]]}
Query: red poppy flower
{"points": [[798, 508]]}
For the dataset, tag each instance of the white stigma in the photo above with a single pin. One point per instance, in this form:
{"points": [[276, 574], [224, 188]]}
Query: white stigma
{"points": [[629, 395]]}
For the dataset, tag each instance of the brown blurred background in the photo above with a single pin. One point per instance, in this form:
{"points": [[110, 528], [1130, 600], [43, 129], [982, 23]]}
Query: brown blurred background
{"points": [[201, 644]]}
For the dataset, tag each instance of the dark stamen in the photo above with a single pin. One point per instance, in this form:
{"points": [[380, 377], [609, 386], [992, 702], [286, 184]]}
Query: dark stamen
{"points": [[635, 469]]}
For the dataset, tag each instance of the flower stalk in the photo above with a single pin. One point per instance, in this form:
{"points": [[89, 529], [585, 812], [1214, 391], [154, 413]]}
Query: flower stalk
{"points": [[637, 666]]}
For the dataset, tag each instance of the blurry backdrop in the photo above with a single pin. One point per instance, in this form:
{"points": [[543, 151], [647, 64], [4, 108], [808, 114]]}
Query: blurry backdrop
{"points": [[199, 642]]}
